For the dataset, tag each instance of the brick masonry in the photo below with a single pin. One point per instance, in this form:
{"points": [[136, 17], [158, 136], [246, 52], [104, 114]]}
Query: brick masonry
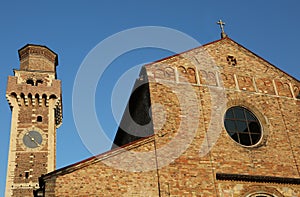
{"points": [[189, 95], [34, 94]]}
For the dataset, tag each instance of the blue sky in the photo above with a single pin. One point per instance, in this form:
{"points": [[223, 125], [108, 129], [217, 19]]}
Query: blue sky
{"points": [[269, 28]]}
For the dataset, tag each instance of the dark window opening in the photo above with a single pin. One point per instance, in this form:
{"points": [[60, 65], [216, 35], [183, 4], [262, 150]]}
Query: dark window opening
{"points": [[26, 175], [52, 96], [39, 119], [30, 82], [242, 126], [38, 82]]}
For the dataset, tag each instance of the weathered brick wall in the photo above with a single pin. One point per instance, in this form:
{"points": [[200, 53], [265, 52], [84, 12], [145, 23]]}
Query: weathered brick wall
{"points": [[95, 177], [35, 57], [251, 82]]}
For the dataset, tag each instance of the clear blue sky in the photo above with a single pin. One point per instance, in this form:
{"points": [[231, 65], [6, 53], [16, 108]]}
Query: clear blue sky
{"points": [[269, 28]]}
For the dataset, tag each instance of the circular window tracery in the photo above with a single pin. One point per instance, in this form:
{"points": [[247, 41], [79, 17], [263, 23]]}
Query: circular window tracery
{"points": [[242, 126]]}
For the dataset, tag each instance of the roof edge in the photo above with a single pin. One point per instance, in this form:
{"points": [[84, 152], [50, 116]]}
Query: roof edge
{"points": [[178, 54], [83, 163], [263, 59], [219, 40], [43, 46]]}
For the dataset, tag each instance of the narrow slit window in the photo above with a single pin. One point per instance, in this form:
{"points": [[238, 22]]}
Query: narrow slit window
{"points": [[26, 175]]}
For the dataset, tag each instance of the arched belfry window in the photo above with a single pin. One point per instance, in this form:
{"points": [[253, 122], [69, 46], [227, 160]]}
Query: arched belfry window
{"points": [[242, 126], [30, 82], [38, 82]]}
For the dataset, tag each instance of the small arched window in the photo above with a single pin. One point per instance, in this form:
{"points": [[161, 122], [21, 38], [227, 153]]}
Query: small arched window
{"points": [[38, 82], [30, 82], [26, 174], [39, 119]]}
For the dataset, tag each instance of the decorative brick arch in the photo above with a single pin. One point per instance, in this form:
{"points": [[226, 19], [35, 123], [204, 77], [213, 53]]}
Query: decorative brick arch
{"points": [[212, 80], [170, 73], [228, 81], [191, 75], [296, 90], [254, 190], [187, 75], [246, 83], [283, 89], [203, 76], [159, 74], [182, 74], [208, 78], [265, 85]]}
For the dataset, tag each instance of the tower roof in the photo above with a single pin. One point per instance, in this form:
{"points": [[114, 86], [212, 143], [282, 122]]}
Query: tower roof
{"points": [[31, 51]]}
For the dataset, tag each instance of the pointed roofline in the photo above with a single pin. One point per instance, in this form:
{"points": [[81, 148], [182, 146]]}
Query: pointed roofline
{"points": [[219, 40], [263, 59]]}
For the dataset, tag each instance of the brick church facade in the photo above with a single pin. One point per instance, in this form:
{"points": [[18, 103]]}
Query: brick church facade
{"points": [[217, 120]]}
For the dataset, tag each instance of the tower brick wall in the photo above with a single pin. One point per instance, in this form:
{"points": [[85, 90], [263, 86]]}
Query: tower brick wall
{"points": [[34, 94]]}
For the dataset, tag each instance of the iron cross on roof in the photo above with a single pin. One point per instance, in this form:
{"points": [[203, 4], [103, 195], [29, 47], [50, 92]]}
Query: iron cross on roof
{"points": [[222, 24]]}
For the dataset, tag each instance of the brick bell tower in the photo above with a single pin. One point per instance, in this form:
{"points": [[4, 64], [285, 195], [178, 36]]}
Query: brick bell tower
{"points": [[34, 96]]}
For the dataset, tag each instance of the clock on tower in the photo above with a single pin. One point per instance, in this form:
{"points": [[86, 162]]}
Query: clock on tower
{"points": [[34, 95]]}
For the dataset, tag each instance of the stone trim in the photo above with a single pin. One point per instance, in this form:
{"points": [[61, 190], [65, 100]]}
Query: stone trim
{"points": [[260, 189], [257, 179]]}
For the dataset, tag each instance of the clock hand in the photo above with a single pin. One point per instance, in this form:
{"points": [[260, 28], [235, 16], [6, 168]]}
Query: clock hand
{"points": [[32, 139]]}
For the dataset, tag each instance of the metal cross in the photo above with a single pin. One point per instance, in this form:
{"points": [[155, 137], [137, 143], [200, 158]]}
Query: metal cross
{"points": [[222, 24]]}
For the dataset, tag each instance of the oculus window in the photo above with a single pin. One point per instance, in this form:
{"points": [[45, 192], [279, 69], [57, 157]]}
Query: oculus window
{"points": [[242, 126]]}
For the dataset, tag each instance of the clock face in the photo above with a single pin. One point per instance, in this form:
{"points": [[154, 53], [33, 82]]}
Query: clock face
{"points": [[32, 139]]}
